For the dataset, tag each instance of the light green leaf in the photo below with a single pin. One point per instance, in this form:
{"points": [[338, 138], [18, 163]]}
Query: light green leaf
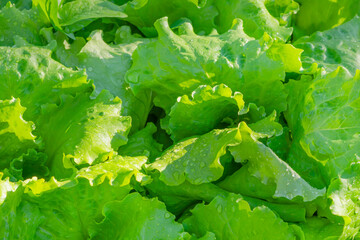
{"points": [[206, 110], [30, 74], [196, 159], [323, 116], [333, 48], [82, 131], [176, 65], [78, 10], [142, 14], [344, 193], [28, 165], [263, 169], [232, 218], [16, 134], [136, 217], [263, 78], [71, 16], [321, 228], [267, 127], [107, 65], [334, 13], [282, 10], [64, 210], [142, 143], [24, 23], [257, 19]]}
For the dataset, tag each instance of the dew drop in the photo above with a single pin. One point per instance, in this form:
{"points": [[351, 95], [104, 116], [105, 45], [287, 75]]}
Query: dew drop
{"points": [[197, 181], [176, 175]]}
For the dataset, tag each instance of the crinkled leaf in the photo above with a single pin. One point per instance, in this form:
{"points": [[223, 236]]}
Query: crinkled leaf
{"points": [[267, 127], [64, 210], [179, 198], [257, 19], [142, 143], [136, 217], [30, 74], [263, 78], [321, 228], [333, 48], [323, 116], [72, 16], [196, 159], [280, 144], [277, 178], [29, 164], [142, 14], [16, 134], [175, 65], [107, 65], [334, 13], [24, 23], [282, 10], [78, 10], [344, 193], [82, 131], [232, 218], [204, 111]]}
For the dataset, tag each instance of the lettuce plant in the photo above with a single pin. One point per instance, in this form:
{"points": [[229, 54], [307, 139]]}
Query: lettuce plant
{"points": [[192, 119]]}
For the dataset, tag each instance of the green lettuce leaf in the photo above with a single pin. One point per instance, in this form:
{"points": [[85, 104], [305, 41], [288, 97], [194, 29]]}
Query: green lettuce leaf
{"points": [[20, 4], [142, 14], [280, 144], [181, 161], [80, 10], [71, 16], [30, 74], [334, 13], [344, 193], [267, 127], [321, 228], [232, 218], [282, 10], [107, 65], [142, 143], [256, 17], [64, 51], [176, 65], [16, 134], [82, 131], [333, 48], [150, 220], [28, 165], [36, 209], [323, 117], [264, 175], [24, 23], [179, 198], [206, 110]]}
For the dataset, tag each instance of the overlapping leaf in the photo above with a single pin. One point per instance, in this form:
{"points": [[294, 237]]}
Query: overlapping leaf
{"points": [[65, 209], [232, 218]]}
